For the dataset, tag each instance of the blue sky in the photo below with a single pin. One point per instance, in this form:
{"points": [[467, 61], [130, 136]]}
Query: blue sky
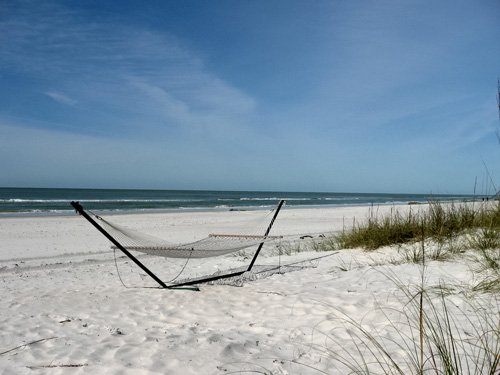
{"points": [[353, 96]]}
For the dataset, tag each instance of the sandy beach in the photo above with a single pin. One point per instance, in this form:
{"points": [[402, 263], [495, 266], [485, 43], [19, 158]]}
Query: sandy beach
{"points": [[183, 123], [65, 309]]}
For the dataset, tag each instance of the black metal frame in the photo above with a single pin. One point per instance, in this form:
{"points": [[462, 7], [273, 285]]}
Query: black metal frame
{"points": [[79, 209]]}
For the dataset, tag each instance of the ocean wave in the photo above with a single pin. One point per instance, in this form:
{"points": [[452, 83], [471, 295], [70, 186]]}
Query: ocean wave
{"points": [[273, 199], [18, 200], [300, 199], [340, 198]]}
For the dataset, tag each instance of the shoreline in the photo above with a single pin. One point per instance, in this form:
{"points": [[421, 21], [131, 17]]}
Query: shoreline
{"points": [[56, 202], [25, 236], [145, 211]]}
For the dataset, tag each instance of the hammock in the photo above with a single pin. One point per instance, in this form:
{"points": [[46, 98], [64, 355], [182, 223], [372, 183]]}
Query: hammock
{"points": [[211, 246], [126, 239]]}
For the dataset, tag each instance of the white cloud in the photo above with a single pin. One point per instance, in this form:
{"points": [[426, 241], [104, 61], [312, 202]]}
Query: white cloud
{"points": [[125, 75], [61, 98]]}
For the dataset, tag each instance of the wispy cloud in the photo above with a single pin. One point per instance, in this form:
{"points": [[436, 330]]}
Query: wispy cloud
{"points": [[61, 98], [118, 69]]}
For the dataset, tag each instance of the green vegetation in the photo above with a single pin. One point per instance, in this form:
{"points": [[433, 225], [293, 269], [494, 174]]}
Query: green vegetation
{"points": [[433, 334], [438, 221], [449, 228], [429, 329]]}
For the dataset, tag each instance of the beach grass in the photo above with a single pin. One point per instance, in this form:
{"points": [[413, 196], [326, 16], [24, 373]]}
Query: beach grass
{"points": [[446, 225], [437, 336], [440, 221], [433, 337], [451, 229], [428, 333], [486, 243]]}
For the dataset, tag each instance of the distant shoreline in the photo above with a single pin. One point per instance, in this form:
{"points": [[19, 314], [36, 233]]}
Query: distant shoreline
{"points": [[149, 211], [56, 202]]}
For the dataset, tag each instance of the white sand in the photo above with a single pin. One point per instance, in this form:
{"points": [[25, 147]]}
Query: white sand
{"points": [[60, 285]]}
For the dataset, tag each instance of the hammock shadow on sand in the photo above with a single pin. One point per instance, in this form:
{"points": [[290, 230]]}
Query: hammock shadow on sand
{"points": [[258, 272]]}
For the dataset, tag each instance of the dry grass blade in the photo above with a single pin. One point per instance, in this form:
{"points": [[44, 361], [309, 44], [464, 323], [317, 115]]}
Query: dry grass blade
{"points": [[27, 344]]}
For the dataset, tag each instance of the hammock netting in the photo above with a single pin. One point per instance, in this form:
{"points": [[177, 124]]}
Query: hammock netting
{"points": [[211, 246]]}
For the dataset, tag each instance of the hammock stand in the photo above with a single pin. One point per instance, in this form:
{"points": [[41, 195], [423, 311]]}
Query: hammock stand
{"points": [[79, 209]]}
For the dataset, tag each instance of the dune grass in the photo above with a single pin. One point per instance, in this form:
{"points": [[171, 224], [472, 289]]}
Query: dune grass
{"points": [[486, 243], [427, 334], [440, 337], [439, 221], [430, 332], [429, 329], [434, 336], [452, 228]]}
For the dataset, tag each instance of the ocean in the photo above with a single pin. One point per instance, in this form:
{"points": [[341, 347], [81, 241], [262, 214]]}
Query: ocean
{"points": [[37, 201]]}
